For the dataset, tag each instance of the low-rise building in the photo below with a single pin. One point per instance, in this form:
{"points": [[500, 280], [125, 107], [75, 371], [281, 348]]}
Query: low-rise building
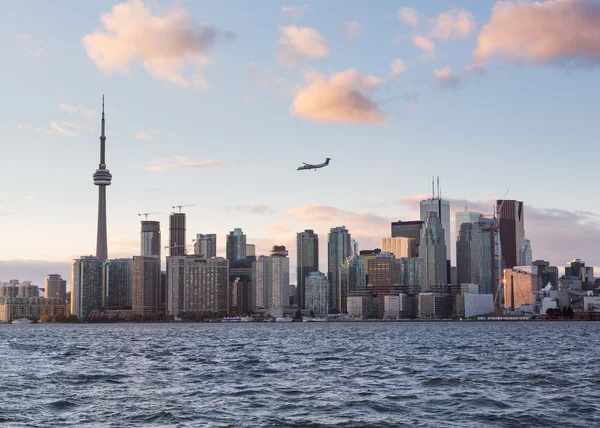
{"points": [[363, 307], [435, 306], [397, 307], [12, 308]]}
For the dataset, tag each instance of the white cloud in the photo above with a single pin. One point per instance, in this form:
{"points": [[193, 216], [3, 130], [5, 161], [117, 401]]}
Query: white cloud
{"points": [[293, 13], [165, 40], [23, 36], [398, 67], [446, 78], [298, 43], [408, 16], [71, 108], [353, 29], [454, 24], [63, 131], [29, 198], [153, 134], [179, 162], [424, 43]]}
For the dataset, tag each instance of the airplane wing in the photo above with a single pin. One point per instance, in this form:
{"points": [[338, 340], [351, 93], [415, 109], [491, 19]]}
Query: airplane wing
{"points": [[305, 163]]}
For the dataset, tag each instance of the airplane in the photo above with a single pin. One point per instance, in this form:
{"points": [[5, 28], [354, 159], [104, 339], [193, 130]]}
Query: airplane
{"points": [[311, 166]]}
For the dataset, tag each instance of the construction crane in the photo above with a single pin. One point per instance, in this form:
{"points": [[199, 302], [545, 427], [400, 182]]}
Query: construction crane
{"points": [[147, 214], [183, 206], [180, 246]]}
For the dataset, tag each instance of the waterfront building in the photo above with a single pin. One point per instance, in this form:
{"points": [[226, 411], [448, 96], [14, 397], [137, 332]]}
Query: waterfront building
{"points": [[408, 229], [433, 251], [576, 268], [33, 308], [148, 298], [27, 289], [525, 256], [339, 248], [469, 305], [352, 275], [399, 306], [117, 284], [206, 245], [512, 230], [520, 282], [261, 280], [236, 245], [177, 229], [241, 298], [150, 238], [363, 307], [102, 178], [435, 306], [317, 293], [197, 286], [307, 258], [86, 283], [400, 247], [54, 286], [271, 277], [9, 290]]}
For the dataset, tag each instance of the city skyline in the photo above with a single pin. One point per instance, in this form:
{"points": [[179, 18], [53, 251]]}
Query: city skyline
{"points": [[159, 156]]}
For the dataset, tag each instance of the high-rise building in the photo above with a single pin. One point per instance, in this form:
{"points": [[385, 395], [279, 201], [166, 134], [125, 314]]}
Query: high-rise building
{"points": [[26, 289], [117, 284], [367, 256], [236, 245], [519, 285], [475, 255], [465, 217], [433, 252], [241, 288], [353, 276], [150, 239], [307, 253], [512, 230], [407, 229], [576, 268], [317, 293], [86, 283], [147, 298], [271, 279], [177, 234], [546, 274], [442, 209], [261, 279], [206, 245], [250, 250], [339, 249], [400, 246], [384, 272], [102, 178], [355, 248], [55, 286], [412, 271], [525, 256], [197, 286]]}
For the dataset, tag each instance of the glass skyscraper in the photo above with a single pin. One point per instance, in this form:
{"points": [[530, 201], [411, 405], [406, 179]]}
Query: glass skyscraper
{"points": [[433, 251], [86, 283], [307, 257], [236, 245], [339, 248]]}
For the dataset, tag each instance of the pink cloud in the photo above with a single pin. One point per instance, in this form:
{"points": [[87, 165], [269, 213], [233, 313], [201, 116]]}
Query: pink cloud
{"points": [[555, 31], [453, 24], [424, 43], [343, 98], [298, 43]]}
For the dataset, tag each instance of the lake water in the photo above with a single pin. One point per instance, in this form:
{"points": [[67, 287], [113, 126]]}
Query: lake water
{"points": [[301, 375]]}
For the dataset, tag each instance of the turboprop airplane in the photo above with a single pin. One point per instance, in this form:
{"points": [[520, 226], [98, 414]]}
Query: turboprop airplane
{"points": [[311, 166]]}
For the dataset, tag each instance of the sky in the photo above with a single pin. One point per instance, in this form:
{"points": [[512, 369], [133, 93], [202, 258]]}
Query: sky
{"points": [[215, 105]]}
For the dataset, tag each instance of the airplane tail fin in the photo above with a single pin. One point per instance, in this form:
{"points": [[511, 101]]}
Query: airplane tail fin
{"points": [[327, 161]]}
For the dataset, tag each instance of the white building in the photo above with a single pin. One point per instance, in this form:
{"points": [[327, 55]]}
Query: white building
{"points": [[271, 279]]}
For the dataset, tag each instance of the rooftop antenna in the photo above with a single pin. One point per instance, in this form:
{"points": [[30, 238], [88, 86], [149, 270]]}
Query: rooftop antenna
{"points": [[465, 201], [438, 183]]}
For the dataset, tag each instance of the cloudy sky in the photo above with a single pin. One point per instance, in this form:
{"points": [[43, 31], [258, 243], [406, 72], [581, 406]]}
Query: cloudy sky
{"points": [[215, 104]]}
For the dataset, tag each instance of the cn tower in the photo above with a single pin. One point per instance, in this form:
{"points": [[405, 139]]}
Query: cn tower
{"points": [[102, 178]]}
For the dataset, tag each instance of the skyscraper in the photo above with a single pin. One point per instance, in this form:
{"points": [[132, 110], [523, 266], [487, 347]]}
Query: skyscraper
{"points": [[280, 276], [475, 254], [261, 280], [86, 283], [465, 217], [236, 245], [177, 234], [150, 242], [339, 248], [55, 286], [146, 290], [117, 284], [407, 229], [400, 246], [317, 293], [102, 178], [442, 209], [206, 245], [307, 257], [433, 251], [525, 255], [512, 230], [384, 272], [353, 275]]}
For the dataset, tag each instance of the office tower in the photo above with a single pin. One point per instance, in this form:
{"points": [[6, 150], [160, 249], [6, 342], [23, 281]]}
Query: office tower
{"points": [[433, 252], [197, 286], [577, 269], [307, 257], [177, 234], [353, 275], [475, 255], [384, 272], [317, 293], [339, 248], [86, 285], [280, 276], [512, 229], [367, 256], [206, 245], [412, 271], [236, 245], [400, 246], [261, 279], [442, 209], [519, 285], [354, 248], [525, 256], [241, 287], [147, 297], [466, 217], [55, 286], [102, 178], [150, 239], [250, 250], [117, 284], [407, 229]]}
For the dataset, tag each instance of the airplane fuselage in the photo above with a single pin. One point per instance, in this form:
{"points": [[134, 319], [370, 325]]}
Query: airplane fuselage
{"points": [[309, 166]]}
